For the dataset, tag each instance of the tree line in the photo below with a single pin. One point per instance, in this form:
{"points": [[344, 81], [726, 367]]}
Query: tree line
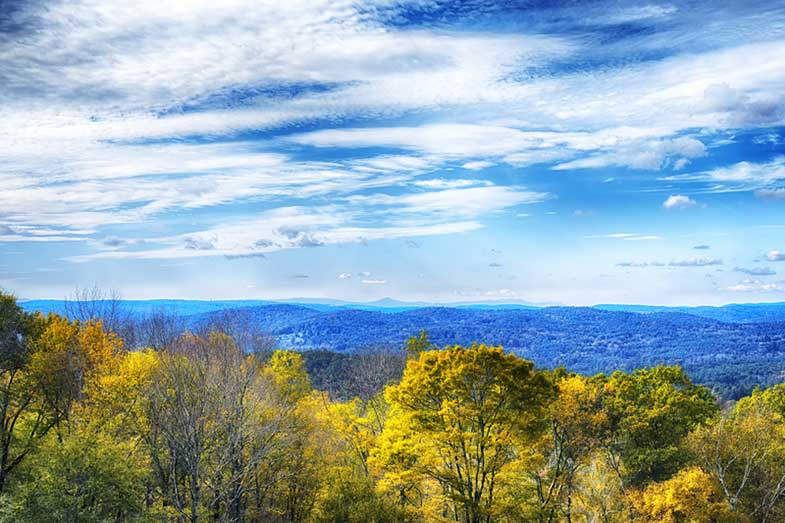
{"points": [[201, 429]]}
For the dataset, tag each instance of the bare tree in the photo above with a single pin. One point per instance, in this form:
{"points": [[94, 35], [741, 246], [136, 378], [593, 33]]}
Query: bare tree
{"points": [[376, 368], [97, 304], [242, 327], [209, 430], [159, 329]]}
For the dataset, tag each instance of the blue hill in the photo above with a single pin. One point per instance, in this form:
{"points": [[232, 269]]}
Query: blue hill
{"points": [[731, 348]]}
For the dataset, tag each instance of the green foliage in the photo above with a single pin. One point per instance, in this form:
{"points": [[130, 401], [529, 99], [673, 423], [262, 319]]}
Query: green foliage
{"points": [[354, 500], [86, 478], [650, 412], [417, 344]]}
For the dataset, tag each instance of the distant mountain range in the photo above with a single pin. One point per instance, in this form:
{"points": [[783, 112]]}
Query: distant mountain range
{"points": [[734, 312], [731, 348]]}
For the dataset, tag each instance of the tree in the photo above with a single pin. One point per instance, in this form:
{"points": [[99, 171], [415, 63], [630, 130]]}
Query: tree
{"points": [[23, 420], [196, 406], [744, 452], [65, 356], [417, 344], [86, 478], [577, 423], [691, 496], [159, 329], [466, 409], [97, 305], [242, 326], [650, 412]]}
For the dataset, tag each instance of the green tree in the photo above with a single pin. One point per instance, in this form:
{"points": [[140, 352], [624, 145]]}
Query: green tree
{"points": [[650, 412], [24, 419], [85, 478], [417, 344]]}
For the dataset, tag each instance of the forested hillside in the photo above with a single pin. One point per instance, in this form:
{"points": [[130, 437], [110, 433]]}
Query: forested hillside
{"points": [[199, 429], [729, 357]]}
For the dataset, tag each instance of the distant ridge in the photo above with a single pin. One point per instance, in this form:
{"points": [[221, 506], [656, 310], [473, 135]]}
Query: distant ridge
{"points": [[732, 348], [733, 312]]}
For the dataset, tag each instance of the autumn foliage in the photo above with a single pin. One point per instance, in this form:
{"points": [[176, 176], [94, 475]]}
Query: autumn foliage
{"points": [[199, 430]]}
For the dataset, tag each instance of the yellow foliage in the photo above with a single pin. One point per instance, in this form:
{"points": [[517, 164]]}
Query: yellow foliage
{"points": [[287, 370], [457, 416], [691, 496], [114, 399]]}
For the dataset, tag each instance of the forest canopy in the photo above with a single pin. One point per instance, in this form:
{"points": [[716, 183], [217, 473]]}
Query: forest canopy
{"points": [[200, 428]]}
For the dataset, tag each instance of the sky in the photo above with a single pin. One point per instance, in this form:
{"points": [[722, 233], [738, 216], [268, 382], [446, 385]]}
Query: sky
{"points": [[550, 152]]}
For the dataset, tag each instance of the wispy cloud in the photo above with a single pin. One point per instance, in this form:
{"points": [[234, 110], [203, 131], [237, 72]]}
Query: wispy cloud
{"points": [[751, 285], [688, 262], [626, 236], [236, 129], [696, 262], [283, 228], [755, 271]]}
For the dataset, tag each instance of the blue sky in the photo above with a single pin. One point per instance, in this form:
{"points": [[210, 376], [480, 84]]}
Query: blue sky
{"points": [[572, 152]]}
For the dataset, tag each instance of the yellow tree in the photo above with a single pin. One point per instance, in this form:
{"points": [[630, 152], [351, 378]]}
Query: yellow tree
{"points": [[744, 452], [691, 496], [44, 365], [66, 356], [577, 423], [294, 440], [466, 409]]}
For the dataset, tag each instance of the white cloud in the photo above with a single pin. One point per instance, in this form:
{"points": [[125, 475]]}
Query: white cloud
{"points": [[633, 14], [478, 165], [750, 172], [278, 229], [636, 263], [751, 285], [771, 194], [755, 271], [462, 202], [642, 154], [345, 276], [696, 262], [455, 140], [739, 108], [95, 77], [441, 183], [626, 236], [678, 201], [775, 255], [689, 262]]}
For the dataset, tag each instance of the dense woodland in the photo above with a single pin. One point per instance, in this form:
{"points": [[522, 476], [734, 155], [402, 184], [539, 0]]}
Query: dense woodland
{"points": [[217, 425], [731, 357]]}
